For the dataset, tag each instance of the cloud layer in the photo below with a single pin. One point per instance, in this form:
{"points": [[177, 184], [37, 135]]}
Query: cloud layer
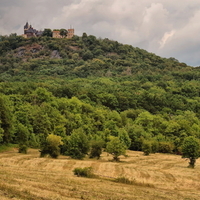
{"points": [[167, 28]]}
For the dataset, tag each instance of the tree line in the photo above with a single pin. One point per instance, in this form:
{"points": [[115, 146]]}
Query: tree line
{"points": [[81, 95]]}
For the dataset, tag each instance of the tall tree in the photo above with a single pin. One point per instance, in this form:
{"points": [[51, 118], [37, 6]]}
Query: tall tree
{"points": [[51, 146], [190, 149], [116, 148], [78, 144]]}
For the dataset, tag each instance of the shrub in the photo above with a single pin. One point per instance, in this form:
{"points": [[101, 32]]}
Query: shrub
{"points": [[96, 149], [165, 147], [146, 147], [154, 146], [132, 182], [23, 149], [51, 146], [124, 180], [84, 172]]}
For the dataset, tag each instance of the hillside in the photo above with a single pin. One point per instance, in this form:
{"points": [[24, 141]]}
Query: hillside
{"points": [[97, 88], [83, 57], [156, 177]]}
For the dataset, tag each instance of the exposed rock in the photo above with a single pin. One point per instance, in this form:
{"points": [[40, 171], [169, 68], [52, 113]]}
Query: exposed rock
{"points": [[55, 54]]}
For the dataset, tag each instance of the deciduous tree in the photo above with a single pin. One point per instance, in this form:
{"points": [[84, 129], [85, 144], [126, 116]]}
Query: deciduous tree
{"points": [[51, 146], [63, 32], [190, 149], [78, 144], [116, 148]]}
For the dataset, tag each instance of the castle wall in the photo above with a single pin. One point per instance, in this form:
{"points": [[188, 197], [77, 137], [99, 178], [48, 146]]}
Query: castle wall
{"points": [[70, 33], [30, 32], [56, 34]]}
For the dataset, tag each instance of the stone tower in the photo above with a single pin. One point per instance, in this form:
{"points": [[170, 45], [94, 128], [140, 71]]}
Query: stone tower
{"points": [[26, 27], [70, 33]]}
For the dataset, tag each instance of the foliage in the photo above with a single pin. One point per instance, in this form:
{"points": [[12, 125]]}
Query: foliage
{"points": [[125, 180], [147, 147], [47, 32], [98, 88], [78, 144], [154, 146], [116, 148], [63, 32], [191, 150], [124, 137], [6, 119], [7, 147], [96, 149], [84, 172], [165, 147], [51, 146], [23, 149]]}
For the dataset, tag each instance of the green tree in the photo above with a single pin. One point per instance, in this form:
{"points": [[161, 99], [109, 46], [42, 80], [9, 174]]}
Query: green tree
{"points": [[96, 149], [1, 133], [78, 144], [190, 149], [6, 119], [22, 137], [47, 32], [146, 147], [87, 55], [116, 148], [63, 32], [51, 146], [124, 137]]}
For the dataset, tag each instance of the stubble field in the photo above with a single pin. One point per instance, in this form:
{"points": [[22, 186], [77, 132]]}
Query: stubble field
{"points": [[156, 177]]}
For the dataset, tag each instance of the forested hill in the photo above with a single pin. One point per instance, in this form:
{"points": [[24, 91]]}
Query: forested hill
{"points": [[95, 87], [83, 57]]}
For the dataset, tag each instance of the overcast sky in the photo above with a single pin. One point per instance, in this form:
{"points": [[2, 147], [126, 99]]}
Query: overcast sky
{"points": [[168, 28]]}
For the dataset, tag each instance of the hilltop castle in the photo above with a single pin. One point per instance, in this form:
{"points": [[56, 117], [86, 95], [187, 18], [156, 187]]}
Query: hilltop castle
{"points": [[29, 31]]}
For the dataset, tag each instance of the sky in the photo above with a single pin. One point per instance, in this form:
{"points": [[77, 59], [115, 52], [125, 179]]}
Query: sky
{"points": [[167, 28]]}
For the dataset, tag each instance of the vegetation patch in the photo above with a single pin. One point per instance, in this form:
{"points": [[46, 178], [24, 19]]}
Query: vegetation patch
{"points": [[84, 172], [125, 180], [7, 147]]}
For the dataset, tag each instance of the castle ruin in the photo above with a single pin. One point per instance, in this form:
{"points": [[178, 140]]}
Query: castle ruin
{"points": [[29, 32]]}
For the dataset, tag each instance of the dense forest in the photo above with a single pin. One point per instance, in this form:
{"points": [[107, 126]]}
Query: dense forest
{"points": [[88, 90]]}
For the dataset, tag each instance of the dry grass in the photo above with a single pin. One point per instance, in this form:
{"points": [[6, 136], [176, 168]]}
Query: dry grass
{"points": [[158, 176]]}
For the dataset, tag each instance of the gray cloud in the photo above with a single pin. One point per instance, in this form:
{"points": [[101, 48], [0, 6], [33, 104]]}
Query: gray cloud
{"points": [[167, 28]]}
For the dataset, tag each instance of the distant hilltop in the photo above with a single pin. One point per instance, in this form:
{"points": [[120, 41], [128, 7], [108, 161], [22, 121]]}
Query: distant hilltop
{"points": [[29, 32]]}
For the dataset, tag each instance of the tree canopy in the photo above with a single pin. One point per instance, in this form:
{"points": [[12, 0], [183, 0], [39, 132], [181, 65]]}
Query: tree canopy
{"points": [[191, 150], [88, 89]]}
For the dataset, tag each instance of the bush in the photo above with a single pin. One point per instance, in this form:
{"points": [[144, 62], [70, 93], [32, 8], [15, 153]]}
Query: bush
{"points": [[165, 147], [23, 149], [132, 182], [154, 146], [96, 149], [146, 147], [124, 180], [84, 172], [51, 146]]}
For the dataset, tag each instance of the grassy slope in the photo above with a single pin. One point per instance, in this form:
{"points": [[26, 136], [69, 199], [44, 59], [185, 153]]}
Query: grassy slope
{"points": [[158, 176]]}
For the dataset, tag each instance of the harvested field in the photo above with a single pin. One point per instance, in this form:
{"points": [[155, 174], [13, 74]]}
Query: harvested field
{"points": [[158, 176]]}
